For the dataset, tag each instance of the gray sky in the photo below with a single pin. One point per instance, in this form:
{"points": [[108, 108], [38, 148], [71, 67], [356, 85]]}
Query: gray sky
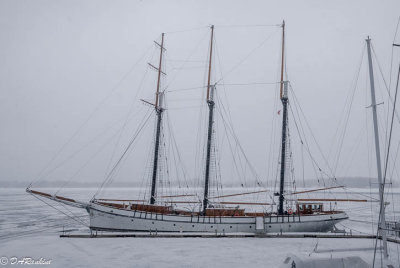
{"points": [[60, 59]]}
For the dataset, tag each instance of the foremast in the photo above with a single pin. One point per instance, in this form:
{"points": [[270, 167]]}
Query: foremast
{"points": [[284, 100], [210, 103], [159, 110]]}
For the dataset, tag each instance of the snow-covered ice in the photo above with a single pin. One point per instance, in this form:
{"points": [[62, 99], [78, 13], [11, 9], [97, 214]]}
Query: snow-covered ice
{"points": [[30, 228]]}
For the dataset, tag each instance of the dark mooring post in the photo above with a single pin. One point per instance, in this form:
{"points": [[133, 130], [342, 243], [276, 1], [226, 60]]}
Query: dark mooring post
{"points": [[159, 111], [210, 103], [284, 100]]}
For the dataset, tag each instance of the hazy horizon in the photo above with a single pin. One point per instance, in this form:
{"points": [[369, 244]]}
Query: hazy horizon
{"points": [[73, 74]]}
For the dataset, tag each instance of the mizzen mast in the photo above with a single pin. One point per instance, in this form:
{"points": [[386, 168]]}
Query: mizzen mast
{"points": [[158, 108], [210, 103], [284, 100]]}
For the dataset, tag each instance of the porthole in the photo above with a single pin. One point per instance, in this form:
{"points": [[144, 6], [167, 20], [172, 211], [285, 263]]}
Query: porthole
{"points": [[131, 219], [212, 226], [174, 224], [269, 226], [250, 227], [230, 227], [193, 225], [152, 222]]}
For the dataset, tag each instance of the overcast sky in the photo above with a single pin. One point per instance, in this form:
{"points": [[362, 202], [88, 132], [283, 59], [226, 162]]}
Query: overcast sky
{"points": [[61, 59]]}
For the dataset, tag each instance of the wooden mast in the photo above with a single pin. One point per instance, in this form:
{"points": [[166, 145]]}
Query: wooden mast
{"points": [[284, 99], [159, 111], [209, 63], [210, 103], [283, 57]]}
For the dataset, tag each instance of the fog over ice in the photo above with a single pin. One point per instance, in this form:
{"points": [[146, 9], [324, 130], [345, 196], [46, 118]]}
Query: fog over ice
{"points": [[61, 59]]}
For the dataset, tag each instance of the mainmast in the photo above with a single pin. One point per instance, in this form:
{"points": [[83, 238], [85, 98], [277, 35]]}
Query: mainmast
{"points": [[284, 99], [158, 108], [210, 103], [283, 57], [382, 222]]}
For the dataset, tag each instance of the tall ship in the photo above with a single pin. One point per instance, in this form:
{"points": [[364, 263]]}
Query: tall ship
{"points": [[127, 215]]}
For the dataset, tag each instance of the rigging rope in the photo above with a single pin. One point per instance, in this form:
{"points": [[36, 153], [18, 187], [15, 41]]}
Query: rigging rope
{"points": [[232, 131], [387, 156], [247, 56], [246, 25], [186, 60], [90, 116], [224, 84], [188, 30], [112, 171], [140, 88], [297, 104], [386, 86], [77, 220], [351, 95]]}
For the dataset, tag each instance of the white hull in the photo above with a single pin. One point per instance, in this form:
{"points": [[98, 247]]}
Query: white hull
{"points": [[113, 219]]}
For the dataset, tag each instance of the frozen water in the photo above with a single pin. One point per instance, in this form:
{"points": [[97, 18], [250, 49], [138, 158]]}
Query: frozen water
{"points": [[31, 228]]}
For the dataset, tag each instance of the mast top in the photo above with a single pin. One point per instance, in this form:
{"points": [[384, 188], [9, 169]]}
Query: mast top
{"points": [[283, 58], [157, 103], [209, 63]]}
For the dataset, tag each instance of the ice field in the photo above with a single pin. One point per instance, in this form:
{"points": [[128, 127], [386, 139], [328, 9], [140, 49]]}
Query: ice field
{"points": [[31, 228]]}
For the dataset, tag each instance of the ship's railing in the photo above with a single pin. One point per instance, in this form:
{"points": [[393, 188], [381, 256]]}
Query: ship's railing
{"points": [[393, 228]]}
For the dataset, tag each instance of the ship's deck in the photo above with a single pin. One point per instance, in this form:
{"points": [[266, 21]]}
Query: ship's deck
{"points": [[211, 212]]}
